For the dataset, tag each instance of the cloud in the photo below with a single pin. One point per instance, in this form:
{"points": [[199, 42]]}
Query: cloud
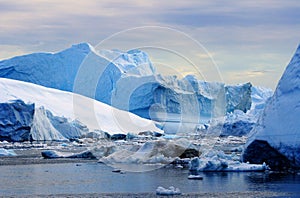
{"points": [[241, 35]]}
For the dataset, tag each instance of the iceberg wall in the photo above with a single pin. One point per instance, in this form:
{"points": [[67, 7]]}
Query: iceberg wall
{"points": [[276, 138], [16, 119], [21, 122]]}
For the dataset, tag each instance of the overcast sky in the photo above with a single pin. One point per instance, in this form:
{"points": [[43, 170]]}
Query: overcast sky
{"points": [[246, 40]]}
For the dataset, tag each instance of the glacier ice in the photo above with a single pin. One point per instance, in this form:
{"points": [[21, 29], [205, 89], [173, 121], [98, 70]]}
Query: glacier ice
{"points": [[277, 131]]}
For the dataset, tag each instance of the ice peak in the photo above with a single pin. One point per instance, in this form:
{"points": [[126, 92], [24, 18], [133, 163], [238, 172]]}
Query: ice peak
{"points": [[133, 62], [191, 78], [290, 80], [85, 47]]}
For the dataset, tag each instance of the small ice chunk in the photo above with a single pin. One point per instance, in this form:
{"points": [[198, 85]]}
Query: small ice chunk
{"points": [[50, 154], [170, 191], [195, 177], [179, 166], [6, 152]]}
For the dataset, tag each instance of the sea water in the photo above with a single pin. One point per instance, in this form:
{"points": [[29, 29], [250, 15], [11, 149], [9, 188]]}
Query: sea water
{"points": [[71, 178]]}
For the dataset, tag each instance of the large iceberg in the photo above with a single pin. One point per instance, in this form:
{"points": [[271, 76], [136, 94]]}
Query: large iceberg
{"points": [[276, 140], [63, 69], [50, 114], [127, 81]]}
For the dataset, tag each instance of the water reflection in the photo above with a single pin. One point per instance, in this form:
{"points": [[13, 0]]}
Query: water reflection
{"points": [[274, 182], [99, 178]]}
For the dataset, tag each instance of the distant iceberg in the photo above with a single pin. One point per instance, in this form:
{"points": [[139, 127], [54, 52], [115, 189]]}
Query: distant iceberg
{"points": [[127, 81]]}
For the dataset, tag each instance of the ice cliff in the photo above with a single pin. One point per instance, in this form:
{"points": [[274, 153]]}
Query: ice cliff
{"points": [[15, 120], [276, 138], [23, 122]]}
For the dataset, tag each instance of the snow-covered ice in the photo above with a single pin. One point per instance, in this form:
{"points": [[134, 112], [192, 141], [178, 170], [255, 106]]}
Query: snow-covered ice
{"points": [[72, 107]]}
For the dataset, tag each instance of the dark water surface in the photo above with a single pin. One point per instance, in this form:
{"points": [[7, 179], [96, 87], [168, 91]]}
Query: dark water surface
{"points": [[70, 178]]}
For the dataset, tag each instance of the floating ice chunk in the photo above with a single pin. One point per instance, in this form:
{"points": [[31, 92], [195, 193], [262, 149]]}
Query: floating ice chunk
{"points": [[6, 152], [103, 150], [179, 166], [153, 152], [219, 161], [195, 177], [56, 154], [170, 191]]}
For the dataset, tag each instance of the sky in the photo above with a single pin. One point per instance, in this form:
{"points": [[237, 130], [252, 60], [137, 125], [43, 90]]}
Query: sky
{"points": [[230, 41]]}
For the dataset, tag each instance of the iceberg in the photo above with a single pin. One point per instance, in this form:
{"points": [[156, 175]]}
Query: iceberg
{"points": [[60, 70], [275, 140], [239, 123], [50, 114], [127, 81], [238, 97]]}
